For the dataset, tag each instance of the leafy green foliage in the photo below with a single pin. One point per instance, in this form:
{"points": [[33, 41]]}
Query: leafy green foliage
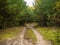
{"points": [[10, 11], [47, 11], [15, 12]]}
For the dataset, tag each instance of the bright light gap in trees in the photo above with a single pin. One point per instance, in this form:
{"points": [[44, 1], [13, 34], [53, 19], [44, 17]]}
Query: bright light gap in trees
{"points": [[29, 3]]}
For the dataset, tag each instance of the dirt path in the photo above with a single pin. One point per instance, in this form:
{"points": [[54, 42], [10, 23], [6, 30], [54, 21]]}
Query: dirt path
{"points": [[21, 38], [40, 40], [18, 40]]}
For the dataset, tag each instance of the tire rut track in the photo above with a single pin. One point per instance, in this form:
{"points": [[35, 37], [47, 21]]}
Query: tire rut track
{"points": [[40, 39], [18, 40]]}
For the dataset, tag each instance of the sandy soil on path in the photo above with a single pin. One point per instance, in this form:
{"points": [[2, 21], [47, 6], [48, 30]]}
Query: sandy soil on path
{"points": [[18, 40], [40, 39]]}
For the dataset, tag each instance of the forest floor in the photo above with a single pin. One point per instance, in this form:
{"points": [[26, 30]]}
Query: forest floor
{"points": [[19, 39]]}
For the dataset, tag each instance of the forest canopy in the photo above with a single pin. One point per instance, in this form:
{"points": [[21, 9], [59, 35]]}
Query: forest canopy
{"points": [[16, 12]]}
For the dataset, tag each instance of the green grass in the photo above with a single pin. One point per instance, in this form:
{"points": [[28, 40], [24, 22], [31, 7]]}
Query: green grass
{"points": [[30, 36], [33, 23], [10, 32], [50, 33]]}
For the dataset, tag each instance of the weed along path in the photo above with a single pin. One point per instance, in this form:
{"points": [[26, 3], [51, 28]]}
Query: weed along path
{"points": [[40, 39]]}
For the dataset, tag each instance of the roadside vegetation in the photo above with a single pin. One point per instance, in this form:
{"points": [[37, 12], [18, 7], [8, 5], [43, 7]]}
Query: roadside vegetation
{"points": [[50, 33], [10, 32], [30, 36]]}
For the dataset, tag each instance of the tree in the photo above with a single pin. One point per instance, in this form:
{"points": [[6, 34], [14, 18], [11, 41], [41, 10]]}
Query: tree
{"points": [[3, 12], [45, 9], [10, 11]]}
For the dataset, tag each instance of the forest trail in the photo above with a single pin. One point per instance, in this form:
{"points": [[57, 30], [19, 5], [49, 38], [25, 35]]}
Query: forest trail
{"points": [[19, 39], [40, 39]]}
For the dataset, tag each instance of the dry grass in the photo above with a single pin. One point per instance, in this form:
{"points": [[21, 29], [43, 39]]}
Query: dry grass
{"points": [[10, 32]]}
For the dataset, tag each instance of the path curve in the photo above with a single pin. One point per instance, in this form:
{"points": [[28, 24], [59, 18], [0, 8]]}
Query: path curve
{"points": [[40, 39]]}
